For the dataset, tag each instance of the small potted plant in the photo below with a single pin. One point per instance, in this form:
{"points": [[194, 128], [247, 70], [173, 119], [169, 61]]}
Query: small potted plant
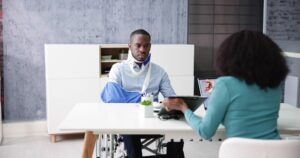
{"points": [[146, 106]]}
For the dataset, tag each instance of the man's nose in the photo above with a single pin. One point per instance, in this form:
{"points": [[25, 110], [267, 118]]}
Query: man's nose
{"points": [[142, 49]]}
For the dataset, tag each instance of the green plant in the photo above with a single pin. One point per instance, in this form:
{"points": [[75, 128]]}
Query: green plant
{"points": [[146, 102]]}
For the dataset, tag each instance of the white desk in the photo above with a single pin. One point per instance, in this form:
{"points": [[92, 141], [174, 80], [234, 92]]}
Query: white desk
{"points": [[120, 118]]}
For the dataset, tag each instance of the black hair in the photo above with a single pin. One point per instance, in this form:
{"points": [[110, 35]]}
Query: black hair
{"points": [[253, 57], [140, 31]]}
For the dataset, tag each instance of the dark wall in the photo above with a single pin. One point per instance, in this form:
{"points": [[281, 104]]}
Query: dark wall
{"points": [[211, 21], [29, 24]]}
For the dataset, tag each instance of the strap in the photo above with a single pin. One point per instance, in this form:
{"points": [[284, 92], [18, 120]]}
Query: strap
{"points": [[147, 79]]}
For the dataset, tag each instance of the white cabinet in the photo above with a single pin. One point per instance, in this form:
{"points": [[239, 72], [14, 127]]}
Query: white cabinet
{"points": [[75, 73], [177, 60], [72, 76], [71, 61], [183, 85], [63, 94]]}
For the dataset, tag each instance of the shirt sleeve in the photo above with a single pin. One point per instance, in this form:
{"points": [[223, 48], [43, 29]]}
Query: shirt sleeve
{"points": [[115, 74], [165, 86], [216, 109]]}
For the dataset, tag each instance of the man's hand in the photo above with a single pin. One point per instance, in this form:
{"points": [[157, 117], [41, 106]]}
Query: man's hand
{"points": [[175, 104]]}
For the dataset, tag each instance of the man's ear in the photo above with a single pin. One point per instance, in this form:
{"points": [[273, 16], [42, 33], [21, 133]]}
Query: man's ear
{"points": [[129, 45]]}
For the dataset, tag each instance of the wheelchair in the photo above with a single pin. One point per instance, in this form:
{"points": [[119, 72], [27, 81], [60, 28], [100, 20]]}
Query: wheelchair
{"points": [[112, 146]]}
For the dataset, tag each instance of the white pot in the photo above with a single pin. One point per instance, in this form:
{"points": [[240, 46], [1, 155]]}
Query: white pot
{"points": [[146, 111]]}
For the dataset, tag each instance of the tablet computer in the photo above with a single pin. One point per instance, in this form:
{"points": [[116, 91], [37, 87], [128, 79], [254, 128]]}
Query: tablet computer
{"points": [[193, 103]]}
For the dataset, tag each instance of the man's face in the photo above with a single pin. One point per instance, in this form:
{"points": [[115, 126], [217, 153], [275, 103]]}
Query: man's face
{"points": [[140, 46]]}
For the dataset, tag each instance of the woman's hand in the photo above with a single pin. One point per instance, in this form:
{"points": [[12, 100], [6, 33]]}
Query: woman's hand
{"points": [[209, 86], [175, 104]]}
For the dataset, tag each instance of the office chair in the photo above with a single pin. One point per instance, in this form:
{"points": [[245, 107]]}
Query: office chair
{"points": [[250, 148]]}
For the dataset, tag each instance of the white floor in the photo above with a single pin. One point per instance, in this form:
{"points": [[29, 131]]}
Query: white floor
{"points": [[71, 147]]}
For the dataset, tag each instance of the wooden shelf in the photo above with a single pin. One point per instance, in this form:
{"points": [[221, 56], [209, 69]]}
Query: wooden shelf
{"points": [[114, 51], [104, 75], [111, 61]]}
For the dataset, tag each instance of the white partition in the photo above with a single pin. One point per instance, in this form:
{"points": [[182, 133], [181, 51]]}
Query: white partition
{"points": [[183, 85], [175, 59], [72, 76], [63, 94], [72, 61]]}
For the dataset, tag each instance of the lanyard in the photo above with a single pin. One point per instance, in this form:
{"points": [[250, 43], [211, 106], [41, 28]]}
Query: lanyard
{"points": [[147, 79]]}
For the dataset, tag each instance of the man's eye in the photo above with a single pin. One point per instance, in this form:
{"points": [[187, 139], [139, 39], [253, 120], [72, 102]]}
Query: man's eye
{"points": [[138, 45]]}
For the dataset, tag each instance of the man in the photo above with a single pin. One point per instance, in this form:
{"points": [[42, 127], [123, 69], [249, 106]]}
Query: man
{"points": [[130, 79]]}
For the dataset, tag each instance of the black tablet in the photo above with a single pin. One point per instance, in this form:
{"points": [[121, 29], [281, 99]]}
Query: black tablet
{"points": [[193, 102]]}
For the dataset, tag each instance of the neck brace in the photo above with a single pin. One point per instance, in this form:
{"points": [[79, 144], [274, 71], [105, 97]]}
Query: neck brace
{"points": [[133, 62]]}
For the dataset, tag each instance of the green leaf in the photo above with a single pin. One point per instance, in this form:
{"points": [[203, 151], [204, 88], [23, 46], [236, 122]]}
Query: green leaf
{"points": [[146, 102]]}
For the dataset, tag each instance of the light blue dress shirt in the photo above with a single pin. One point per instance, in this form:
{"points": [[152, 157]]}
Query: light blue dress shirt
{"points": [[245, 111], [122, 74]]}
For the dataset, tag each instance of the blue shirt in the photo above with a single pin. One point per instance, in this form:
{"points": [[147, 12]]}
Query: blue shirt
{"points": [[244, 110], [122, 74]]}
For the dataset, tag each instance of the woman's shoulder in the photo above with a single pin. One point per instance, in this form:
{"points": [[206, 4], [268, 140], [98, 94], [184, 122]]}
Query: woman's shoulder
{"points": [[228, 79], [231, 82]]}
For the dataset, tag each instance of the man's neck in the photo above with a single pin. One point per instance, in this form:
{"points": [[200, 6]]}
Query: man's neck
{"points": [[139, 64]]}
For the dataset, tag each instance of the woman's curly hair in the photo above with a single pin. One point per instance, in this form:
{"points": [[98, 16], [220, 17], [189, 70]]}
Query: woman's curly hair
{"points": [[253, 57]]}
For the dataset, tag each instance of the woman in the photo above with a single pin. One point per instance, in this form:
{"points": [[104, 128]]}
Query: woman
{"points": [[246, 98]]}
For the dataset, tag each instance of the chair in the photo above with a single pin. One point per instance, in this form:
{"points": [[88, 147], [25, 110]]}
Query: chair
{"points": [[257, 148], [112, 144], [153, 139]]}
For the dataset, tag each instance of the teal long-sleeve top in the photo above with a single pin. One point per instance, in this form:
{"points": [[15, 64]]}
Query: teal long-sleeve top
{"points": [[245, 111]]}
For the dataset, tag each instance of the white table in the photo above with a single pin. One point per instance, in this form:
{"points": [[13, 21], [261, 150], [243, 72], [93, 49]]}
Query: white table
{"points": [[122, 118]]}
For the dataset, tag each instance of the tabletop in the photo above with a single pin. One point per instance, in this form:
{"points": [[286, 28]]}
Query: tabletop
{"points": [[125, 118]]}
